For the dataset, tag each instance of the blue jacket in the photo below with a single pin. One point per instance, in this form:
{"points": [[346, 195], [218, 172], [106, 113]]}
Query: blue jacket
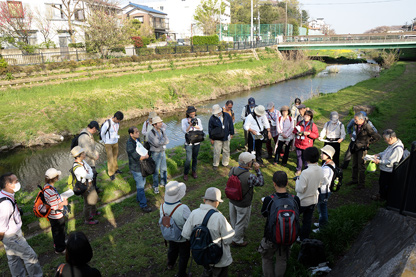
{"points": [[228, 125]]}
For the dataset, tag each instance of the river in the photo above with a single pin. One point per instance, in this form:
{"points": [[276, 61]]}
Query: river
{"points": [[30, 164]]}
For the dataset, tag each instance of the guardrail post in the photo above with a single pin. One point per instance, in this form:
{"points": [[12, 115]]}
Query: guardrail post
{"points": [[76, 52], [41, 55], [207, 48]]}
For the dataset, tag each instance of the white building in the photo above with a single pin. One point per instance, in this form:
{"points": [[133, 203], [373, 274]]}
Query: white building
{"points": [[181, 15], [317, 24]]}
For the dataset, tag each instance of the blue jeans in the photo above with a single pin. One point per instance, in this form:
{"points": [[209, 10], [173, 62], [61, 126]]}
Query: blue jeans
{"points": [[140, 182], [323, 209], [160, 160], [191, 154], [306, 228]]}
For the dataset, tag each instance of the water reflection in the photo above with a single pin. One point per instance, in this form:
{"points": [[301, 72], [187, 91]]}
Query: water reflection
{"points": [[31, 164]]}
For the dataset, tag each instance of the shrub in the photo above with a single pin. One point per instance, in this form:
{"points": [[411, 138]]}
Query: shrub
{"points": [[165, 50], [48, 44], [146, 41], [205, 40], [138, 42], [76, 45], [3, 63], [118, 49], [183, 49], [144, 51]]}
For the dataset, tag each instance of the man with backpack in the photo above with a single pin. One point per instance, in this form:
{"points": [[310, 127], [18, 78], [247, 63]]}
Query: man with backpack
{"points": [[179, 213], [109, 135], [87, 142], [307, 185], [247, 110], [220, 232], [19, 253], [240, 205], [275, 208]]}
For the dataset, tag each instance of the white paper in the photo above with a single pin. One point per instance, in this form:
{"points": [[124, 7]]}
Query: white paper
{"points": [[369, 158], [67, 194], [141, 150], [325, 140], [298, 128]]}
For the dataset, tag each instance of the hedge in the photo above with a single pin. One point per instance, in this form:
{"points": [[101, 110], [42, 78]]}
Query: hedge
{"points": [[144, 51], [205, 40], [165, 50]]}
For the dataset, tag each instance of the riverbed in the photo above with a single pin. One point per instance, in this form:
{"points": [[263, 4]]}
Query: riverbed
{"points": [[30, 164]]}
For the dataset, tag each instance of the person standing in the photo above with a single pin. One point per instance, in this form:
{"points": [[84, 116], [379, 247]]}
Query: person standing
{"points": [[56, 217], [386, 159], [334, 132], [221, 231], [134, 165], [228, 108], [221, 131], [285, 126], [307, 185], [109, 135], [158, 141], [87, 142], [174, 192], [20, 256], [247, 110], [240, 210], [267, 248], [272, 116], [294, 111], [301, 112], [257, 124], [84, 174], [306, 132], [147, 125], [191, 123], [365, 136]]}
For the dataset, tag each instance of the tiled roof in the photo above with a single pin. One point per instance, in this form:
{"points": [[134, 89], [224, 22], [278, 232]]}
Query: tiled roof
{"points": [[145, 8]]}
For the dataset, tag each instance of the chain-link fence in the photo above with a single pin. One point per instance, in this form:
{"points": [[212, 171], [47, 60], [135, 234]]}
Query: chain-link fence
{"points": [[241, 32]]}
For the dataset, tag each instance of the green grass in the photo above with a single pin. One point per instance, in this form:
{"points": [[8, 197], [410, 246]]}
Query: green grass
{"points": [[136, 247]]}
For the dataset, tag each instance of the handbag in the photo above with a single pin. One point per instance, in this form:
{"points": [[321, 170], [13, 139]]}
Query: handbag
{"points": [[264, 132], [147, 167], [217, 133], [80, 188], [194, 137]]}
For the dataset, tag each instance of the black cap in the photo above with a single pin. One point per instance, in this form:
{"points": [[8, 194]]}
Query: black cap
{"points": [[94, 124], [190, 109], [251, 102]]}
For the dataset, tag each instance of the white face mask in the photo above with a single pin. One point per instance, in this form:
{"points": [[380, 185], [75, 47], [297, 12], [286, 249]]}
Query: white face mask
{"points": [[16, 187]]}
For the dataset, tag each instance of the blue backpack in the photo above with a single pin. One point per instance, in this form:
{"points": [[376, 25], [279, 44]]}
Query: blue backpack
{"points": [[170, 231], [204, 251]]}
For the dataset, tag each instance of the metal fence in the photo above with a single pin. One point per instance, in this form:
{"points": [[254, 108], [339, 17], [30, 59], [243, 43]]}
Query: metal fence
{"points": [[402, 193], [241, 32], [79, 55]]}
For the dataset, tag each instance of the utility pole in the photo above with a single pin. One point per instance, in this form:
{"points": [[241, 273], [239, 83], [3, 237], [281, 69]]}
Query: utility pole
{"points": [[251, 24], [258, 20], [286, 21], [220, 22]]}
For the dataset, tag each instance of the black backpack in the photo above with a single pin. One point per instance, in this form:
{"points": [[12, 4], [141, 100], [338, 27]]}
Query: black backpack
{"points": [[337, 177], [74, 141], [204, 251], [108, 129]]}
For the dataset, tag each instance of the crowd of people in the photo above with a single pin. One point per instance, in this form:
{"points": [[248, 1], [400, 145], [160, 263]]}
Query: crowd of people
{"points": [[281, 130]]}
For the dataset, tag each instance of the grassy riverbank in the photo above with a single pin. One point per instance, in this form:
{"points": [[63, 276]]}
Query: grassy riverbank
{"points": [[27, 113], [128, 242]]}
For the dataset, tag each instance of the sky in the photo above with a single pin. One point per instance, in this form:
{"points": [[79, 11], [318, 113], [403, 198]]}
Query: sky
{"points": [[358, 16]]}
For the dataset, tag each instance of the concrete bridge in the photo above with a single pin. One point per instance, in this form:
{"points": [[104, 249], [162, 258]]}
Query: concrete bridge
{"points": [[361, 41]]}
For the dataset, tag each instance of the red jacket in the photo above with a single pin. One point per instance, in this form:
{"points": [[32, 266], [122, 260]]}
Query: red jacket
{"points": [[308, 140]]}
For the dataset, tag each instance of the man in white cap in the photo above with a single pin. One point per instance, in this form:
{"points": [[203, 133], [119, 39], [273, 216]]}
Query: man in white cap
{"points": [[334, 133], [19, 253], [240, 210], [221, 131], [174, 192], [259, 129], [158, 141], [272, 116], [219, 228]]}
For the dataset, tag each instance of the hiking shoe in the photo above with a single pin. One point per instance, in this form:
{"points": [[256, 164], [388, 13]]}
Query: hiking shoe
{"points": [[147, 209], [194, 175], [243, 244], [169, 267], [61, 252], [156, 190], [118, 171], [91, 222], [316, 224], [112, 177], [185, 177]]}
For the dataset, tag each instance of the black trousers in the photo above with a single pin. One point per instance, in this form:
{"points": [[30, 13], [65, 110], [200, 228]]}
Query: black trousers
{"points": [[255, 145], [94, 178], [347, 157], [58, 233], [181, 249], [385, 180], [279, 150]]}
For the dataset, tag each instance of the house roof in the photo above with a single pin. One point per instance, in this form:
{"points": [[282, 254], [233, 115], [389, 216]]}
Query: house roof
{"points": [[145, 8]]}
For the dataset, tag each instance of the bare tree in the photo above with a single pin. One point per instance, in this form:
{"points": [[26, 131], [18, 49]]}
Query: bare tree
{"points": [[68, 9], [15, 22], [43, 22]]}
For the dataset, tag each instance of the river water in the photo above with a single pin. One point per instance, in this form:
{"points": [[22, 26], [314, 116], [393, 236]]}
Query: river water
{"points": [[30, 164]]}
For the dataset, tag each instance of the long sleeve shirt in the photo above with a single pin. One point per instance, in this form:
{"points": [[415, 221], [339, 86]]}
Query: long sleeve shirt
{"points": [[157, 140], [110, 137], [53, 198], [10, 220], [273, 117], [285, 128], [333, 131], [246, 111], [185, 124], [251, 123], [180, 215], [328, 175], [308, 183], [87, 142], [219, 228], [392, 154], [84, 172]]}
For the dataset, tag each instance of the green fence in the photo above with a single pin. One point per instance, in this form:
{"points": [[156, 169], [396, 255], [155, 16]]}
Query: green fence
{"points": [[241, 32]]}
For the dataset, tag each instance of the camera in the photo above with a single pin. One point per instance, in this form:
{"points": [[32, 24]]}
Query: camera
{"points": [[300, 134], [194, 121]]}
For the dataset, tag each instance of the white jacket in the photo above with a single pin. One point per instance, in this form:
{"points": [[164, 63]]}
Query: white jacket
{"points": [[308, 183], [391, 155]]}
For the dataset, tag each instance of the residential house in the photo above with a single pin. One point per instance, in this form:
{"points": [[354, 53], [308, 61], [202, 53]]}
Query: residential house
{"points": [[156, 19]]}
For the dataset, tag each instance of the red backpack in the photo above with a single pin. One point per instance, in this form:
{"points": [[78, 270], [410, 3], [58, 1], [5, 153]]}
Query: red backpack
{"points": [[233, 189]]}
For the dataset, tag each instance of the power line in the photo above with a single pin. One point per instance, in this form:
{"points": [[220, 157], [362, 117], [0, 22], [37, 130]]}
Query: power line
{"points": [[351, 3]]}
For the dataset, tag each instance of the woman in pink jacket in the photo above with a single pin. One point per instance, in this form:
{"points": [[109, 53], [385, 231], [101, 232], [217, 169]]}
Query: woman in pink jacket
{"points": [[306, 132]]}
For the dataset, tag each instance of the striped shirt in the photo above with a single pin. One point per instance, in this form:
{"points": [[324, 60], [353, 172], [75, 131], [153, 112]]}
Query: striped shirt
{"points": [[53, 198]]}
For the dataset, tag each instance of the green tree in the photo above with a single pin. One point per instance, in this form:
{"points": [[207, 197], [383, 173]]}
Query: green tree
{"points": [[207, 15]]}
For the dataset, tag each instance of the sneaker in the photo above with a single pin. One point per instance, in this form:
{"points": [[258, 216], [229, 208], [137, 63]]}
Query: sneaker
{"points": [[112, 177], [60, 253], [147, 209], [91, 222], [118, 171], [185, 177], [156, 190], [316, 224], [316, 231]]}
